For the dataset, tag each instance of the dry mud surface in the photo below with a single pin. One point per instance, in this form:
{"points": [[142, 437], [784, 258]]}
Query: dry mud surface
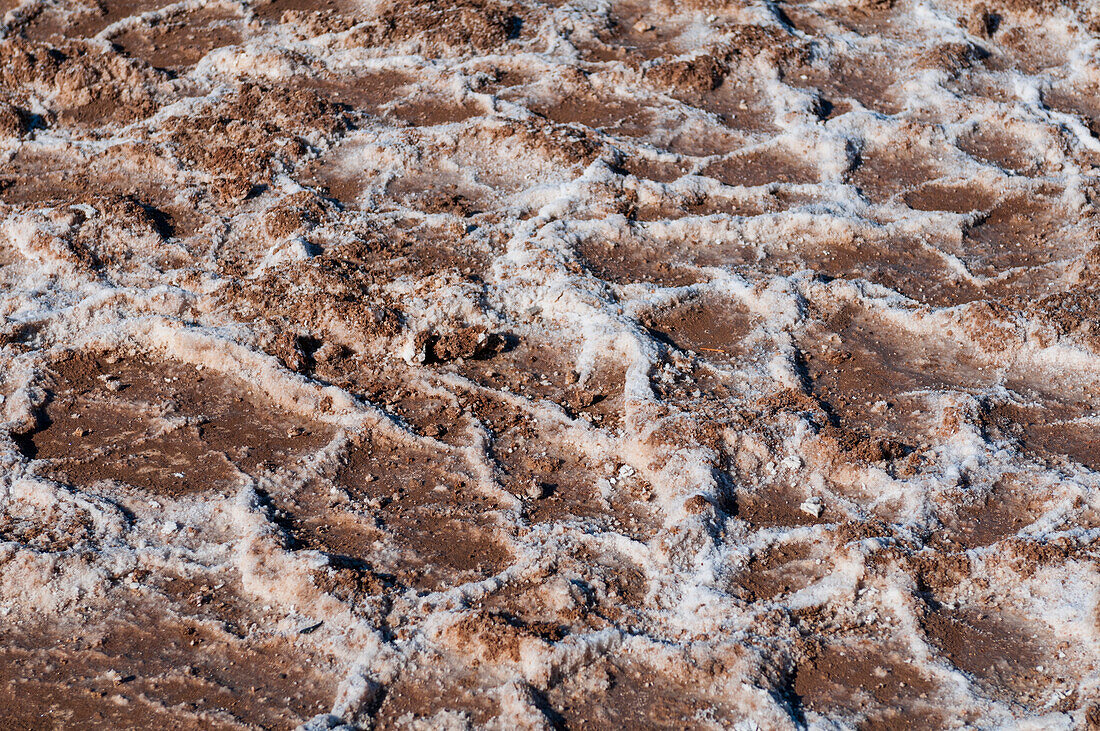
{"points": [[549, 364]]}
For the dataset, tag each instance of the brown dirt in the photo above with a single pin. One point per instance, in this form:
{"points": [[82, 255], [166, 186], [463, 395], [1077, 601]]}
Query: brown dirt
{"points": [[183, 40], [418, 697], [847, 80], [623, 264], [138, 666], [778, 571], [162, 426], [714, 329], [955, 198], [364, 184], [996, 650], [428, 513], [867, 377], [1008, 508], [764, 167], [874, 682], [613, 115], [632, 695], [1001, 149], [1021, 230], [777, 505], [884, 173]]}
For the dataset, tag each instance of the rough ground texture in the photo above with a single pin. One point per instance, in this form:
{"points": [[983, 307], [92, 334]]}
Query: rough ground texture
{"points": [[549, 364]]}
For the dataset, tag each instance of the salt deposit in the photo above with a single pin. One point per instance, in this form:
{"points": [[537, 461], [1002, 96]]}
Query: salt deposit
{"points": [[549, 364]]}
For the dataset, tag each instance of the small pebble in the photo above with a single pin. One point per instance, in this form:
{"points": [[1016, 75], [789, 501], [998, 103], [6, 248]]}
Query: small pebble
{"points": [[812, 507], [536, 490]]}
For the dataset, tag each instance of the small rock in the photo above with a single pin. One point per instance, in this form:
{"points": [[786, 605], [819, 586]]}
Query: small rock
{"points": [[80, 432], [578, 398], [536, 490], [643, 26], [13, 120], [812, 507], [696, 505], [981, 23], [464, 342]]}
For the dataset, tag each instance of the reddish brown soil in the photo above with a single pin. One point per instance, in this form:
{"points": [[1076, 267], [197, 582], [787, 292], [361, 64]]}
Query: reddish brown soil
{"points": [[164, 427], [386, 198], [139, 666]]}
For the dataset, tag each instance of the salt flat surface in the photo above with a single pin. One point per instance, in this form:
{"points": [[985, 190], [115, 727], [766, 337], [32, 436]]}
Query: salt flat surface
{"points": [[549, 364]]}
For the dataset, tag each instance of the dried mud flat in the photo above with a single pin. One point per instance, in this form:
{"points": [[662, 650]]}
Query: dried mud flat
{"points": [[561, 364]]}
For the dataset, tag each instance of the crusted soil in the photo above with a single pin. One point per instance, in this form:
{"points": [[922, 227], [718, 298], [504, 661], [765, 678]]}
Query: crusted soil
{"points": [[550, 364]]}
